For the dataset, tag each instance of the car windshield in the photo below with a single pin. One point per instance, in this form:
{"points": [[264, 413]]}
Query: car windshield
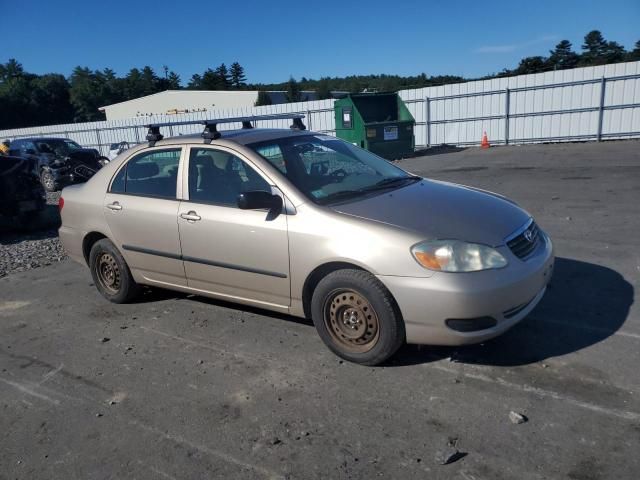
{"points": [[58, 146], [328, 170]]}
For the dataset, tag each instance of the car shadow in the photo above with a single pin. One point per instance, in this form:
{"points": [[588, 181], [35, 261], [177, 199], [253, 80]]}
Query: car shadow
{"points": [[584, 304]]}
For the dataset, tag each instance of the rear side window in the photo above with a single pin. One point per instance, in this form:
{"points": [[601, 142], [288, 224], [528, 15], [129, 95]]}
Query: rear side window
{"points": [[152, 174]]}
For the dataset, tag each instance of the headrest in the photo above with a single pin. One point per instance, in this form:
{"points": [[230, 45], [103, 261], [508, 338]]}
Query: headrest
{"points": [[137, 171]]}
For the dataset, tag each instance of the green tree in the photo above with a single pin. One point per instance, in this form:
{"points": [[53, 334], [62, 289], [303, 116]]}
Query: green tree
{"points": [[263, 99], [86, 94], [292, 91], [634, 54], [614, 52], [195, 83], [562, 56], [11, 69], [593, 49], [173, 79], [238, 78], [531, 65], [49, 99], [224, 80], [323, 89]]}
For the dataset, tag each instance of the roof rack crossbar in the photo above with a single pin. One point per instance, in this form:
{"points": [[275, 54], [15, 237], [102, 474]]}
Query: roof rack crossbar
{"points": [[211, 132], [251, 118], [153, 135]]}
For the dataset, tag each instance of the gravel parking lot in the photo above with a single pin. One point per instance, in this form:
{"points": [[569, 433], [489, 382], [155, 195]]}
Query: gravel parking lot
{"points": [[39, 247], [178, 386]]}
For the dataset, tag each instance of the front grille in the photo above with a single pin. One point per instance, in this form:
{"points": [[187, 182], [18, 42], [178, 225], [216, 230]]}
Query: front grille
{"points": [[526, 242]]}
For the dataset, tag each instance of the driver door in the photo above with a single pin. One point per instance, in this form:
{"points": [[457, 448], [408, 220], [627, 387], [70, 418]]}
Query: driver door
{"points": [[238, 254]]}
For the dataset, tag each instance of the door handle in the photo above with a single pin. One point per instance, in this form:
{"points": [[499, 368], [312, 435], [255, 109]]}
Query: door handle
{"points": [[190, 216], [114, 206]]}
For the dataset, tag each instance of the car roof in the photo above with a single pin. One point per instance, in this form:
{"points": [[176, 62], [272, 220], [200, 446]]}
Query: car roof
{"points": [[39, 139], [243, 136]]}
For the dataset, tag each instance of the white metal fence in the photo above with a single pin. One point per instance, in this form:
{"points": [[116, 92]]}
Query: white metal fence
{"points": [[591, 103]]}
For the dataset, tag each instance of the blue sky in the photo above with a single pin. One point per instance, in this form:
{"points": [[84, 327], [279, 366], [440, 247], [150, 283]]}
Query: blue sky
{"points": [[276, 39]]}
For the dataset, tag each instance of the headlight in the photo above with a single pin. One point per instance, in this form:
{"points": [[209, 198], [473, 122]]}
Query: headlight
{"points": [[457, 256]]}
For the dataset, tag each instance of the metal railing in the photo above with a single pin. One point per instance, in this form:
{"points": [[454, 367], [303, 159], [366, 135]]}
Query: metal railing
{"points": [[507, 115]]}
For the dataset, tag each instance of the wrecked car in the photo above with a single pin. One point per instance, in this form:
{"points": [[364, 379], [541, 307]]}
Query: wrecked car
{"points": [[22, 197], [58, 161]]}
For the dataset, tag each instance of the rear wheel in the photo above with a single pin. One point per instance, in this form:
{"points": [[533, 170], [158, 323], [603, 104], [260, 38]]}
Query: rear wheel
{"points": [[111, 274], [356, 317]]}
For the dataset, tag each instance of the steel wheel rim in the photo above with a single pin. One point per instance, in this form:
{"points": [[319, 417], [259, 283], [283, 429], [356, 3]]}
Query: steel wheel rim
{"points": [[108, 273], [48, 180], [351, 321]]}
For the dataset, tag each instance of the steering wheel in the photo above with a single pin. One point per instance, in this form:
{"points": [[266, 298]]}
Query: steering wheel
{"points": [[339, 174]]}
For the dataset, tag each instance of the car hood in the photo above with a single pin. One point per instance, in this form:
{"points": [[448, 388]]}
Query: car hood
{"points": [[440, 210]]}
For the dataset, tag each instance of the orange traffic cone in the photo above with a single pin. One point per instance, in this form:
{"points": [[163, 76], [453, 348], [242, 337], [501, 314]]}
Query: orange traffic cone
{"points": [[485, 141]]}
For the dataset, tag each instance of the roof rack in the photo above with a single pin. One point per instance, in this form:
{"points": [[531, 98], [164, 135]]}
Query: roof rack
{"points": [[210, 131]]}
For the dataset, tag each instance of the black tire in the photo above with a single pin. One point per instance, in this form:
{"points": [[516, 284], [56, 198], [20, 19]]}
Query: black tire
{"points": [[111, 274], [364, 299], [48, 182]]}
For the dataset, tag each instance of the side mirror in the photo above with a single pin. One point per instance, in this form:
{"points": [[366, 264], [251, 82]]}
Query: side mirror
{"points": [[259, 199]]}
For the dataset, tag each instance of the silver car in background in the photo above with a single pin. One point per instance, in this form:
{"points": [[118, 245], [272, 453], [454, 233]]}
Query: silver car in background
{"points": [[307, 224]]}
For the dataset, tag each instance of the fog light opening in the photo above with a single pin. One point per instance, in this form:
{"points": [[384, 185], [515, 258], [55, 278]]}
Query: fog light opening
{"points": [[470, 324]]}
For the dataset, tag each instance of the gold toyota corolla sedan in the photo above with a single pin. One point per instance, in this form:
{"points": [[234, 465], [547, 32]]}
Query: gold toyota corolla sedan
{"points": [[307, 224]]}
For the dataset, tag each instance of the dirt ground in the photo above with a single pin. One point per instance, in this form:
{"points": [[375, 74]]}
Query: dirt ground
{"points": [[181, 387]]}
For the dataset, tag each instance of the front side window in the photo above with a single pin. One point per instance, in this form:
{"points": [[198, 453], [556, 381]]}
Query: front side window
{"points": [[327, 169], [153, 174], [29, 147], [218, 177]]}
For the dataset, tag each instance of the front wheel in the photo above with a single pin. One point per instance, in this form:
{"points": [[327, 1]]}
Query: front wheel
{"points": [[111, 273], [356, 317], [48, 182]]}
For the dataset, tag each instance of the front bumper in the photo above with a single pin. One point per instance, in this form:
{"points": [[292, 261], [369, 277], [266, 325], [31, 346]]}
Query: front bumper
{"points": [[507, 295]]}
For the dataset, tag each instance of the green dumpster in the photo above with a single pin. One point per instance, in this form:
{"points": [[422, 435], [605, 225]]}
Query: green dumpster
{"points": [[378, 122]]}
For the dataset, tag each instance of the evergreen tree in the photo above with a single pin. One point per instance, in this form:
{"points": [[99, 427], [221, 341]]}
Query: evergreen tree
{"points": [[224, 81], [85, 94], [323, 90], [148, 81], [238, 79], [634, 54], [263, 99], [195, 83], [531, 65], [563, 56], [614, 52], [173, 81], [292, 91], [594, 49]]}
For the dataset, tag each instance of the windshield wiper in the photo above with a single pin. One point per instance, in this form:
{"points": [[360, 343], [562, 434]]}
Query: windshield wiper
{"points": [[390, 182], [340, 195]]}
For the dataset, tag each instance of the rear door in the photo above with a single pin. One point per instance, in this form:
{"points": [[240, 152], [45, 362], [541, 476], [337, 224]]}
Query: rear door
{"points": [[141, 208], [233, 253]]}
